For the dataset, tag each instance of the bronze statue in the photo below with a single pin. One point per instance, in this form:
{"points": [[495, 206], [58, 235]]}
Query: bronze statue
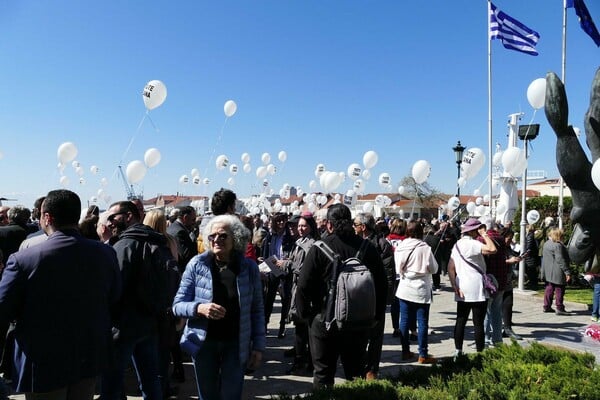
{"points": [[574, 166]]}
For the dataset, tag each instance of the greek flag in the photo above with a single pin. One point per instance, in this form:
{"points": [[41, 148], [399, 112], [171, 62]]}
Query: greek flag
{"points": [[514, 35], [585, 19]]}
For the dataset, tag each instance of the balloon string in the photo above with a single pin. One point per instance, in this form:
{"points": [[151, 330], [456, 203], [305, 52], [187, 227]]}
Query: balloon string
{"points": [[152, 122], [214, 151], [137, 131]]}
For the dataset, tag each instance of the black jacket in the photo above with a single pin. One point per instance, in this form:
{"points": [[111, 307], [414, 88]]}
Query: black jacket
{"points": [[316, 272]]}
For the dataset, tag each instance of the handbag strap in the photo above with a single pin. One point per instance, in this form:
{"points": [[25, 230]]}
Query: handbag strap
{"points": [[473, 265], [408, 258]]}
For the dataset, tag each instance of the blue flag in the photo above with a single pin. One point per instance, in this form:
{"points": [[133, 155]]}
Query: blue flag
{"points": [[585, 19], [513, 34]]}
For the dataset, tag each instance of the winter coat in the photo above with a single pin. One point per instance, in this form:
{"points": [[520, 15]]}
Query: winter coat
{"points": [[555, 263]]}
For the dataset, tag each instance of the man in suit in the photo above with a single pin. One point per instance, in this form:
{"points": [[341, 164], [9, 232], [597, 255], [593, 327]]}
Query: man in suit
{"points": [[15, 232], [60, 293], [180, 229]]}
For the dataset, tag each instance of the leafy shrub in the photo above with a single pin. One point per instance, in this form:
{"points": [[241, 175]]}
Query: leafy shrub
{"points": [[507, 372]]}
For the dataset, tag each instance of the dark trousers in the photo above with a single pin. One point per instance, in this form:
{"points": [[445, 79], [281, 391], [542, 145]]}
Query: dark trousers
{"points": [[270, 292], [326, 348], [463, 309], [375, 345], [82, 390], [507, 308], [301, 343], [551, 289]]}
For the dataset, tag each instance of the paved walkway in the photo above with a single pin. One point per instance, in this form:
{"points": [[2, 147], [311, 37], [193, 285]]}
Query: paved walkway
{"points": [[529, 322]]}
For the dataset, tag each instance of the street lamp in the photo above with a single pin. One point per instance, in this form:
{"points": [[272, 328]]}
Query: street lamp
{"points": [[458, 152]]}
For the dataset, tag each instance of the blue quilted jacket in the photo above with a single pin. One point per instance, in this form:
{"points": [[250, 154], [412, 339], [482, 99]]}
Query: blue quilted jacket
{"points": [[196, 288]]}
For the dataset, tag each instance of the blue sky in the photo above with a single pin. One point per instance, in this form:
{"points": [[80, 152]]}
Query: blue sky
{"points": [[323, 81]]}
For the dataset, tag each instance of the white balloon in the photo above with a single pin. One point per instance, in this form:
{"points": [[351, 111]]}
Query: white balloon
{"points": [[195, 172], [101, 192], [384, 179], [93, 199], [222, 161], [261, 171], [379, 202], [387, 201], [104, 181], [319, 170], [486, 198], [154, 94], [359, 186], [247, 168], [476, 192], [533, 216], [354, 171], [514, 161], [265, 158], [82, 181], [206, 181], [233, 169], [453, 203], [370, 159], [471, 207], [401, 190], [229, 108], [231, 181], [196, 180], [367, 207], [461, 182], [152, 157], [299, 191], [66, 152], [184, 179], [501, 207], [75, 164], [366, 174], [472, 161], [271, 169], [245, 158], [420, 171], [282, 156], [136, 170], [596, 173], [497, 160], [79, 171], [94, 169], [312, 184], [536, 93], [479, 201], [64, 181]]}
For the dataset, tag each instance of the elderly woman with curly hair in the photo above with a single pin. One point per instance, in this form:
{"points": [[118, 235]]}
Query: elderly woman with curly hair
{"points": [[221, 295]]}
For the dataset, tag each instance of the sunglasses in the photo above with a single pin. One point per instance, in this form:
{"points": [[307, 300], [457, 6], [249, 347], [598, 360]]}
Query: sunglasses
{"points": [[217, 237], [111, 218]]}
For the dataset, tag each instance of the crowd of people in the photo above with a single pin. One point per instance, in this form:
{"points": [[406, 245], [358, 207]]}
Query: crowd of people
{"points": [[84, 297]]}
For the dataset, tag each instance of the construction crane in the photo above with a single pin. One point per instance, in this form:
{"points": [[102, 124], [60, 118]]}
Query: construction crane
{"points": [[128, 188]]}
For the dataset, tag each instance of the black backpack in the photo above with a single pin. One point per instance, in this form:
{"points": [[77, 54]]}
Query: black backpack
{"points": [[157, 279], [351, 297]]}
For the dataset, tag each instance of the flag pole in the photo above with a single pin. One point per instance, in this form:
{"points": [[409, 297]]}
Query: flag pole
{"points": [[489, 60], [561, 183]]}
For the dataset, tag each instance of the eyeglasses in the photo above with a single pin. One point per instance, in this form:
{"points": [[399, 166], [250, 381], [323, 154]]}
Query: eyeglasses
{"points": [[217, 237], [111, 218], [357, 224]]}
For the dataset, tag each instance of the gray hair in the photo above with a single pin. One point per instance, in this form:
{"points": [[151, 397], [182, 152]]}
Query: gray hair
{"points": [[367, 220], [241, 234], [19, 214]]}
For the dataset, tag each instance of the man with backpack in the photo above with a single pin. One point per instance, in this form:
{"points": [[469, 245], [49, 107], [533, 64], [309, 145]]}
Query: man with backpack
{"points": [[142, 254], [364, 226], [330, 339]]}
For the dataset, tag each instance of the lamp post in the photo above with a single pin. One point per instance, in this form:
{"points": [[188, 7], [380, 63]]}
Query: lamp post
{"points": [[458, 152]]}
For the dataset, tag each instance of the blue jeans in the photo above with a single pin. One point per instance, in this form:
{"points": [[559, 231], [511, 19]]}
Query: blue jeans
{"points": [[409, 313], [219, 373], [493, 318], [596, 298], [144, 354]]}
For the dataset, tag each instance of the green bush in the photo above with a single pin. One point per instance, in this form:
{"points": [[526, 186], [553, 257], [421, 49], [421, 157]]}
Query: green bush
{"points": [[508, 372]]}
